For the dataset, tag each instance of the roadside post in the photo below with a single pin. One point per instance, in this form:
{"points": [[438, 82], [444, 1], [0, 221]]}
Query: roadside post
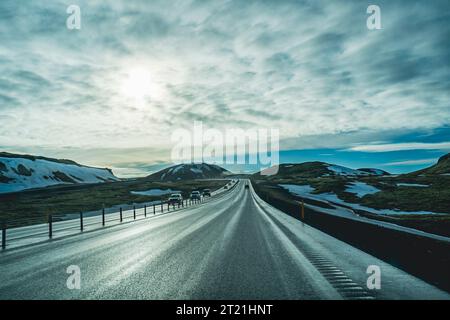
{"points": [[134, 212], [4, 236], [121, 218], [50, 226], [303, 210], [145, 210], [154, 210], [103, 216], [81, 221]]}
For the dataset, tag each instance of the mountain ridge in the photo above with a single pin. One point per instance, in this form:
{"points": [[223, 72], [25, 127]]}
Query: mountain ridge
{"points": [[189, 171], [322, 169]]}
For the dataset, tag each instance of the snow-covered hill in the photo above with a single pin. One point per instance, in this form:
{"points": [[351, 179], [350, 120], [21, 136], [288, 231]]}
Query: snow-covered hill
{"points": [[344, 171], [376, 172], [318, 169], [189, 172], [20, 172]]}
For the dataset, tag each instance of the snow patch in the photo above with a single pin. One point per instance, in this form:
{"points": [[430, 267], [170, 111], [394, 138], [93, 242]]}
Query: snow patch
{"points": [[413, 185], [361, 189], [195, 170], [176, 169], [154, 192], [305, 191], [344, 171]]}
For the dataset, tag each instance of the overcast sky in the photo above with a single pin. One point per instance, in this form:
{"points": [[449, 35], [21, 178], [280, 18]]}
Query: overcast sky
{"points": [[111, 93]]}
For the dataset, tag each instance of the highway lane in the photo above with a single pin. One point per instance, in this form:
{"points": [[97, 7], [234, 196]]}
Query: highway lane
{"points": [[18, 237], [235, 246]]}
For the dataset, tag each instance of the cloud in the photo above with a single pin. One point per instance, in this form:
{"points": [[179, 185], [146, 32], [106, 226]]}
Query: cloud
{"points": [[411, 162], [308, 68], [402, 147]]}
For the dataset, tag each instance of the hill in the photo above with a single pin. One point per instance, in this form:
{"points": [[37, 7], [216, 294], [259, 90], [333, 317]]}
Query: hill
{"points": [[21, 172], [190, 172], [442, 167], [318, 169]]}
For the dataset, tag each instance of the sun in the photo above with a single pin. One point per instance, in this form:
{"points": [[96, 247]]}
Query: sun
{"points": [[138, 85]]}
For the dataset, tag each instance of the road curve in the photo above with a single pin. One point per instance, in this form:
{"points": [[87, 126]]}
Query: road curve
{"points": [[233, 247]]}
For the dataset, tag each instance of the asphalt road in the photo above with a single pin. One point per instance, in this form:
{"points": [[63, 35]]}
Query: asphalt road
{"points": [[233, 247]]}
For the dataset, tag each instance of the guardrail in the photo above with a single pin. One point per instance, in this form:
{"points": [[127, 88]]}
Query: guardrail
{"points": [[425, 257], [11, 231]]}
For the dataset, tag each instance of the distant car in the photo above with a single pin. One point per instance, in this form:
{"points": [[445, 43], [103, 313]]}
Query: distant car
{"points": [[195, 195], [246, 186], [175, 199], [226, 187], [207, 193]]}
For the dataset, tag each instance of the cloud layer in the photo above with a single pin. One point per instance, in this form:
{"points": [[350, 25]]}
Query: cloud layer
{"points": [[308, 68]]}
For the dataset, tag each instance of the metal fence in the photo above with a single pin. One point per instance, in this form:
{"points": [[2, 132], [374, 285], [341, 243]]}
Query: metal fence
{"points": [[13, 230]]}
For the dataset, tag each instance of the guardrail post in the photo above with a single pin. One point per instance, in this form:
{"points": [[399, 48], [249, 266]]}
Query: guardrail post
{"points": [[303, 210], [134, 212], [121, 218], [4, 236], [103, 217], [145, 210], [50, 226], [154, 210], [162, 208], [81, 221]]}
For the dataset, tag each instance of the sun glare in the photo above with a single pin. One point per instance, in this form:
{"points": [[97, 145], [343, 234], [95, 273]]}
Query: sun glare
{"points": [[138, 84]]}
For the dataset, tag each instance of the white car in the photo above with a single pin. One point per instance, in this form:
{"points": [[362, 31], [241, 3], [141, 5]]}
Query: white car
{"points": [[175, 198]]}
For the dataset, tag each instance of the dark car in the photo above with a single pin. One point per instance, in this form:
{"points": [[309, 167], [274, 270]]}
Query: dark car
{"points": [[226, 187], [207, 193], [195, 195], [247, 186], [175, 199]]}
